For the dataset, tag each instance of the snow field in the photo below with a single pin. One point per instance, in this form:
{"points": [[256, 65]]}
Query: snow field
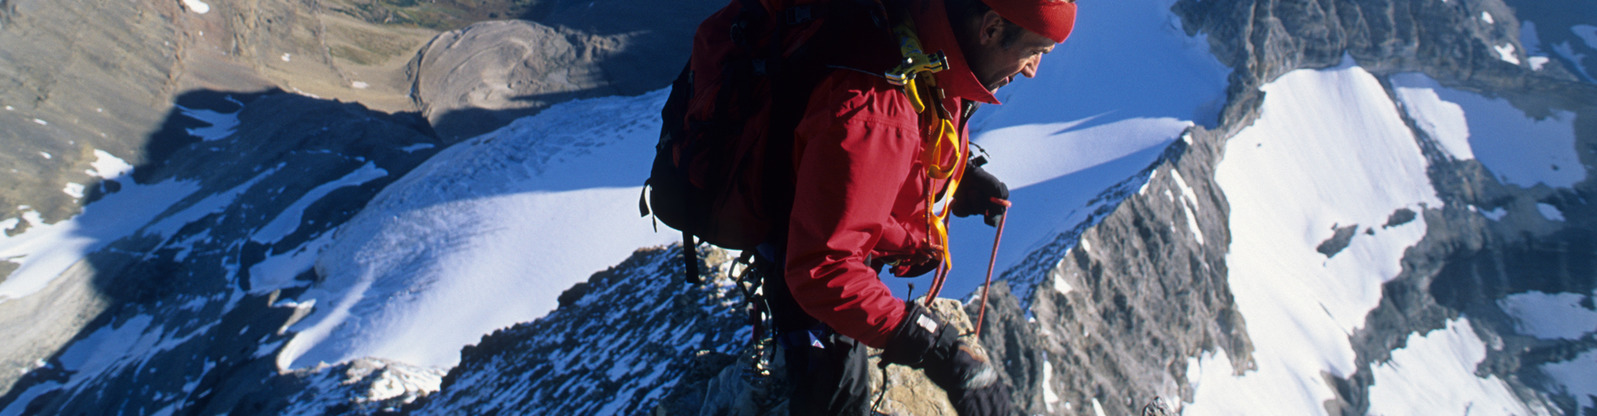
{"points": [[288, 221], [1434, 374], [1550, 315], [1518, 149], [1327, 151], [1578, 378], [483, 235], [1560, 316], [111, 348]]}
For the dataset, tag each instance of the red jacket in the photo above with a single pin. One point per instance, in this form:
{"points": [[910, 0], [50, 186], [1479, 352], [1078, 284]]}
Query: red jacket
{"points": [[861, 191]]}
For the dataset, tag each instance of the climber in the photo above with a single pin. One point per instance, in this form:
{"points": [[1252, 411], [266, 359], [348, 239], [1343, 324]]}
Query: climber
{"points": [[865, 175]]}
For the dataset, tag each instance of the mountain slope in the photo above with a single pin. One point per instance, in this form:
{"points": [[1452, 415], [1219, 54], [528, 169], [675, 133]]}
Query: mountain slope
{"points": [[1240, 206], [482, 236], [617, 345]]}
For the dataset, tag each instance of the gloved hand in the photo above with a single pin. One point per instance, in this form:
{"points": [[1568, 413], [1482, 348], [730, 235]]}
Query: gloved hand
{"points": [[924, 341], [977, 192], [924, 260]]}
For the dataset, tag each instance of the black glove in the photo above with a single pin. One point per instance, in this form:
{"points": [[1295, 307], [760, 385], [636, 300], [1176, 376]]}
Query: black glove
{"points": [[977, 193], [924, 341], [922, 261]]}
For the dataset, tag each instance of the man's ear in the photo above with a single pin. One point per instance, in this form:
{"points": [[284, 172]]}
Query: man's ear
{"points": [[990, 29]]}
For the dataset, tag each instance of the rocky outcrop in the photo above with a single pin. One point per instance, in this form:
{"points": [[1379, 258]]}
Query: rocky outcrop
{"points": [[1111, 312], [361, 387], [635, 339], [476, 79], [625, 338]]}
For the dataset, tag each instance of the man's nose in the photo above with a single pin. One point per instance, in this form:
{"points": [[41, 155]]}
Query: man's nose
{"points": [[1029, 69]]}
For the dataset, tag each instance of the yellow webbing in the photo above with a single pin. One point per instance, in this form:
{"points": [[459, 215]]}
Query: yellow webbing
{"points": [[941, 134]]}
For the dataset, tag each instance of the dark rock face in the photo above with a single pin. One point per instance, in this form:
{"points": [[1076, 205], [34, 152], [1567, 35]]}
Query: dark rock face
{"points": [[1113, 313], [617, 349], [1266, 38], [638, 340]]}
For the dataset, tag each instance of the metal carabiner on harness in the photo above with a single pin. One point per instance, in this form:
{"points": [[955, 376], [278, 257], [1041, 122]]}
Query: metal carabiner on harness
{"points": [[916, 62]]}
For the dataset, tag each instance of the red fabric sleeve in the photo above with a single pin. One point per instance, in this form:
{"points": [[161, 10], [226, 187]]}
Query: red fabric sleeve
{"points": [[855, 148]]}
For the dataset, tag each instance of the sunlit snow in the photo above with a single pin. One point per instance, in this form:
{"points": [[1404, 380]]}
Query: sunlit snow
{"points": [[74, 190], [107, 165], [484, 235], [197, 6], [1505, 52], [1434, 374], [1328, 150]]}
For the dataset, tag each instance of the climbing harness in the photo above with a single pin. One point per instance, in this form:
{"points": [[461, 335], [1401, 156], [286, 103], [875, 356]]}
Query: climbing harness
{"points": [[941, 139]]}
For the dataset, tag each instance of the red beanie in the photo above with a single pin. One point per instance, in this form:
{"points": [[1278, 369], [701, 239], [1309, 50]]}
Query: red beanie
{"points": [[1051, 18]]}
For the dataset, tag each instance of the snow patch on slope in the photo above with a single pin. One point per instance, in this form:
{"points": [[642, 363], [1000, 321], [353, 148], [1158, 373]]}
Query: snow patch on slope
{"points": [[1435, 374], [1578, 377], [1518, 149], [1328, 150], [47, 250], [197, 6], [286, 222], [483, 235], [221, 125], [1550, 315]]}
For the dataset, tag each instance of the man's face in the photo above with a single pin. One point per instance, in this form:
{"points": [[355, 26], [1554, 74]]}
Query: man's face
{"points": [[996, 57]]}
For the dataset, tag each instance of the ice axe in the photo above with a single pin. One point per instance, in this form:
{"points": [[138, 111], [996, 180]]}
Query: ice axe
{"points": [[1002, 218]]}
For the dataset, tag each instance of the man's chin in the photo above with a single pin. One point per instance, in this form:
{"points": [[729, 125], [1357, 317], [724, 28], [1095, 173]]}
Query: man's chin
{"points": [[995, 85]]}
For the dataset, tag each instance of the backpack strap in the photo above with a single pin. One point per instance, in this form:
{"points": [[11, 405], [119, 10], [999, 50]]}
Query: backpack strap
{"points": [[690, 258]]}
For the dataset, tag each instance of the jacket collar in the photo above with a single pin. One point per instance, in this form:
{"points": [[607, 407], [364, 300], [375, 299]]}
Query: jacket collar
{"points": [[937, 34]]}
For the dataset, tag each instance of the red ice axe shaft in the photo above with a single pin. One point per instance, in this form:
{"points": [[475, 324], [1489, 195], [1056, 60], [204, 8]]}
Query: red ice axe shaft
{"points": [[990, 262]]}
